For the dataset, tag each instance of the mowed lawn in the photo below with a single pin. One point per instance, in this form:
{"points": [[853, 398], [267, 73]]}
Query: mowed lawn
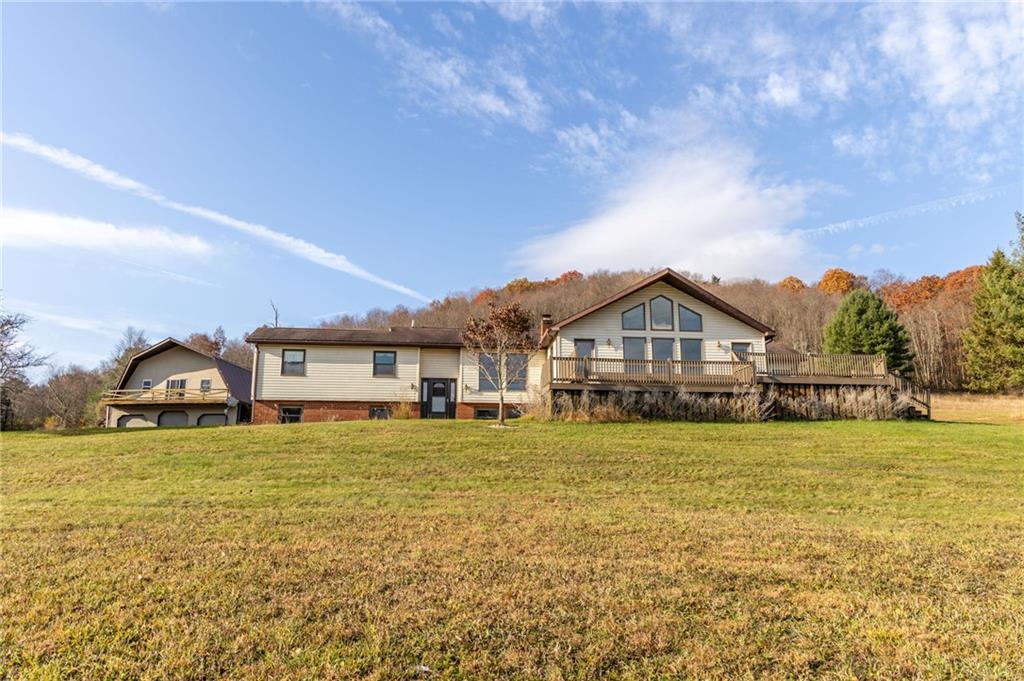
{"points": [[387, 549]]}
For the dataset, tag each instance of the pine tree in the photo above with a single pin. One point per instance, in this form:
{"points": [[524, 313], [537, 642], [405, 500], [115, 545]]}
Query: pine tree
{"points": [[864, 324], [994, 343]]}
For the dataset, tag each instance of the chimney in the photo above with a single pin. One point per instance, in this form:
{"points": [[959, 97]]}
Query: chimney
{"points": [[545, 324]]}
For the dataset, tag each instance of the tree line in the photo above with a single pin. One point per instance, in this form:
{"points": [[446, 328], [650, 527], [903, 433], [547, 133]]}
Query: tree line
{"points": [[964, 330]]}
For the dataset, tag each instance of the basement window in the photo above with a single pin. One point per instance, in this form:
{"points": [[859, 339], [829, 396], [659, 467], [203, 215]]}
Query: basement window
{"points": [[380, 413], [289, 414]]}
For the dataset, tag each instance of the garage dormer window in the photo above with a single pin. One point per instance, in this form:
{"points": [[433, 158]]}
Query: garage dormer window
{"points": [[205, 384], [293, 363], [384, 363], [633, 319], [661, 314], [147, 384], [689, 320]]}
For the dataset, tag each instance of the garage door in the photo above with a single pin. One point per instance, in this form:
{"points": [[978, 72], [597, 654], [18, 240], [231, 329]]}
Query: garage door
{"points": [[132, 421], [213, 420], [172, 418]]}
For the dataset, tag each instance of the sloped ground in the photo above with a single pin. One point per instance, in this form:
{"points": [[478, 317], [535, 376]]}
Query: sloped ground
{"points": [[382, 549]]}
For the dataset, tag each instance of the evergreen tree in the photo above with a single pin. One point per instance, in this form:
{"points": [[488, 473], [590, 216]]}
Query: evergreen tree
{"points": [[864, 324], [994, 343]]}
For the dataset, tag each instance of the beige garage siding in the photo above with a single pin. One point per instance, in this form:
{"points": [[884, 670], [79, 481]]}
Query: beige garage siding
{"points": [[176, 363], [150, 415], [470, 382], [605, 327], [337, 373]]}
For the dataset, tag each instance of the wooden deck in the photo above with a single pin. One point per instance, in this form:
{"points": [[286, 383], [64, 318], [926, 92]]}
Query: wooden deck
{"points": [[166, 396]]}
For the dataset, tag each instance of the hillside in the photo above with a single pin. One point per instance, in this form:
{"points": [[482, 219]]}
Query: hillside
{"points": [[378, 549]]}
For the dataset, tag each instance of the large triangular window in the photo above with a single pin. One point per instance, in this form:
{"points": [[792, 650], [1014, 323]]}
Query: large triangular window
{"points": [[689, 320]]}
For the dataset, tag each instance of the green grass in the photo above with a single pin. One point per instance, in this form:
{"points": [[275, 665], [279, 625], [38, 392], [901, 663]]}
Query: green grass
{"points": [[836, 550]]}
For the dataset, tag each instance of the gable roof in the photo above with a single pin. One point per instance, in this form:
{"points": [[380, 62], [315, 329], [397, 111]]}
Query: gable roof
{"points": [[673, 278], [237, 378], [417, 336]]}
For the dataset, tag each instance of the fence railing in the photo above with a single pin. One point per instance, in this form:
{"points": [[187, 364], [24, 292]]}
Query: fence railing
{"points": [[650, 372], [811, 365], [158, 395]]}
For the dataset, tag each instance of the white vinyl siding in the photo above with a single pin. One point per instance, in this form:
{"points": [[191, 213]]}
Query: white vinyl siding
{"points": [[605, 327], [470, 383], [338, 373], [439, 363]]}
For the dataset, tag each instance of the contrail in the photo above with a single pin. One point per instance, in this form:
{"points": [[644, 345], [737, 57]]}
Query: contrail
{"points": [[928, 207], [294, 245]]}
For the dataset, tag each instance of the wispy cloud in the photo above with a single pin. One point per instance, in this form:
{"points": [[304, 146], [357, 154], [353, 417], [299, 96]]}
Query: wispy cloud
{"points": [[703, 208], [108, 327], [496, 92], [294, 245], [936, 206], [30, 229]]}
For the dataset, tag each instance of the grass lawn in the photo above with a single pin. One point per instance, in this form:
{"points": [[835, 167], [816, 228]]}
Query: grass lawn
{"points": [[836, 550]]}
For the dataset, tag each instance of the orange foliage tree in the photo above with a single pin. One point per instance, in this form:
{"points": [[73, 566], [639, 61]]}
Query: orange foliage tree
{"points": [[838, 280], [792, 284]]}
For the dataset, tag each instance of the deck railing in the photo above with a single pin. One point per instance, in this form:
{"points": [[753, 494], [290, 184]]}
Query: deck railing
{"points": [[650, 372], [818, 366], [744, 371], [158, 395]]}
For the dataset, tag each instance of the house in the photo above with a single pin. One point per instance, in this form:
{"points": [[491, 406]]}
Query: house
{"points": [[320, 374], [172, 383], [663, 332]]}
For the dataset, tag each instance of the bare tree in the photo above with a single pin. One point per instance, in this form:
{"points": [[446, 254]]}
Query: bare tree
{"points": [[237, 351], [277, 314], [500, 343], [68, 393], [15, 355]]}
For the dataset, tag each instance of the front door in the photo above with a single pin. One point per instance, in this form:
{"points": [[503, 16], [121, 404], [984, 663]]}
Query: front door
{"points": [[437, 398]]}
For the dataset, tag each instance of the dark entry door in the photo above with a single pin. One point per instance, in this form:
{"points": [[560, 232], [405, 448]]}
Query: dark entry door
{"points": [[437, 398]]}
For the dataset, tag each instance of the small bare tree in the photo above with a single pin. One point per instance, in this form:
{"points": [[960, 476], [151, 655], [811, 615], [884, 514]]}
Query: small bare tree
{"points": [[497, 341]]}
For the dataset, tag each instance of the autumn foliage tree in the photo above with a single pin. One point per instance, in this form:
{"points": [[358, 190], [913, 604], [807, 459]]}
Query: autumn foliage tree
{"points": [[498, 342], [792, 284], [840, 281]]}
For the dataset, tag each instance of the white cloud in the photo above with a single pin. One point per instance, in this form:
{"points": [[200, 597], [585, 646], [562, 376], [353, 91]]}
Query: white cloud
{"points": [[294, 245], [702, 208], [537, 14], [780, 91], [495, 92], [965, 62], [109, 327], [29, 229], [443, 25]]}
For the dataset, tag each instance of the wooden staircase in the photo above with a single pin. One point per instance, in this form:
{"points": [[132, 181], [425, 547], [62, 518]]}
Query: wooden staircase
{"points": [[920, 398]]}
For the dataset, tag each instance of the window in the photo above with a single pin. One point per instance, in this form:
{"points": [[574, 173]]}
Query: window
{"points": [[380, 413], [633, 319], [741, 350], [176, 383], [583, 347], [293, 363], [384, 363], [205, 384], [516, 364], [661, 314], [515, 372], [661, 348], [147, 384], [634, 348], [289, 414], [689, 320], [492, 412], [691, 349]]}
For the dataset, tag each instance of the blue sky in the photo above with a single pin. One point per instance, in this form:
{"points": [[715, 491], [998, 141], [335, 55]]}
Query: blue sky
{"points": [[177, 166]]}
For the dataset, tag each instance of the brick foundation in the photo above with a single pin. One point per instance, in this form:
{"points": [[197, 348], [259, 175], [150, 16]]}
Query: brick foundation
{"points": [[313, 411]]}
